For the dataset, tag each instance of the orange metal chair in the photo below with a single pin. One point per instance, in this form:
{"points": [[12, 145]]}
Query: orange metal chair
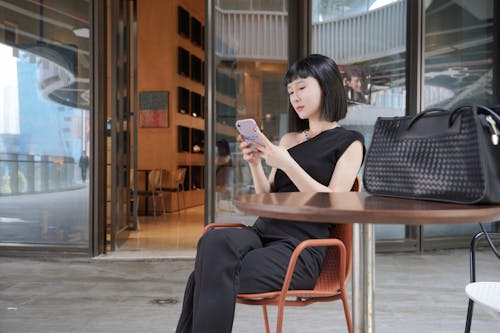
{"points": [[331, 282]]}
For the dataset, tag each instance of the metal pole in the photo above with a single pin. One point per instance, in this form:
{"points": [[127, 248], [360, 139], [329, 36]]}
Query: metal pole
{"points": [[357, 271], [368, 278], [209, 112]]}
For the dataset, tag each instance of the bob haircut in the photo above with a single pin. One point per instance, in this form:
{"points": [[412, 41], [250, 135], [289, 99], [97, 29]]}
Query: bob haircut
{"points": [[326, 72]]}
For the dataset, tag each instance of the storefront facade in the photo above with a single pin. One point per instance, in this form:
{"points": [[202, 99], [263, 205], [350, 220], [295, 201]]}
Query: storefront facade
{"points": [[79, 78]]}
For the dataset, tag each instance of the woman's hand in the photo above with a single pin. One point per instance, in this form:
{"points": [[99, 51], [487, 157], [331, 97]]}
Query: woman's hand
{"points": [[250, 154], [275, 156]]}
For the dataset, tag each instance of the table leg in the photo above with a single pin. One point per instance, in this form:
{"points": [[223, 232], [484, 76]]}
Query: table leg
{"points": [[356, 283], [368, 277], [363, 263]]}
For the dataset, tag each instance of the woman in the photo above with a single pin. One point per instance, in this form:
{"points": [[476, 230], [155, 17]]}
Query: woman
{"points": [[320, 157], [224, 165]]}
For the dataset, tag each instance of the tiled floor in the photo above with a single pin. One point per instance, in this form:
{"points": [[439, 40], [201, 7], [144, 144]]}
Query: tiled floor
{"points": [[172, 235], [170, 232]]}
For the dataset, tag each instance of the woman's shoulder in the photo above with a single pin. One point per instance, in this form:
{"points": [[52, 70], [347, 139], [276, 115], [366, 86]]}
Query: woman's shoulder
{"points": [[290, 139], [351, 135]]}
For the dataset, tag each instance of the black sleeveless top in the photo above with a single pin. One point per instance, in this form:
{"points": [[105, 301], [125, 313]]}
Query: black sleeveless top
{"points": [[318, 157]]}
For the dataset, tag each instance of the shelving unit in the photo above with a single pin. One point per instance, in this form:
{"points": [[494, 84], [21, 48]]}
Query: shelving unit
{"points": [[190, 105]]}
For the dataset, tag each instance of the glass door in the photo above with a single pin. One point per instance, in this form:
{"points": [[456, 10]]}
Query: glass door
{"points": [[122, 124]]}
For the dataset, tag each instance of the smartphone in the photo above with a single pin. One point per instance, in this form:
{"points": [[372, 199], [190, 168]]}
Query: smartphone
{"points": [[247, 128]]}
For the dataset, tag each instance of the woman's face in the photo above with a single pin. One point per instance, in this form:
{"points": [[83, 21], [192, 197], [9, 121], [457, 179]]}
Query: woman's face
{"points": [[305, 97]]}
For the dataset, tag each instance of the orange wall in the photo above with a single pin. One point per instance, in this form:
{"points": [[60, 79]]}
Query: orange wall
{"points": [[158, 41]]}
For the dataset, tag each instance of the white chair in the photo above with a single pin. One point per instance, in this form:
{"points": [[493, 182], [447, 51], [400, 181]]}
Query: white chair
{"points": [[478, 291], [485, 293]]}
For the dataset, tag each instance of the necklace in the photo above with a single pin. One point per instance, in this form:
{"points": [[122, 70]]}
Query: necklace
{"points": [[308, 134]]}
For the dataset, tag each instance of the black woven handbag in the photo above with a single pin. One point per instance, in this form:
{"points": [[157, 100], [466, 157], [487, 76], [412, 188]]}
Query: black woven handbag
{"points": [[450, 156]]}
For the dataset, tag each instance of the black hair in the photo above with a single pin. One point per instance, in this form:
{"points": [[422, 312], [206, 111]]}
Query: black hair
{"points": [[326, 72], [223, 147], [349, 73]]}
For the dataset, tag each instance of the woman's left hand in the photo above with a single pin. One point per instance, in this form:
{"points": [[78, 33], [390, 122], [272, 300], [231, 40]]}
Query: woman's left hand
{"points": [[275, 156]]}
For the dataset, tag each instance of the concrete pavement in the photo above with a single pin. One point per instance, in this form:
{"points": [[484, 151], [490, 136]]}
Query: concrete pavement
{"points": [[414, 293]]}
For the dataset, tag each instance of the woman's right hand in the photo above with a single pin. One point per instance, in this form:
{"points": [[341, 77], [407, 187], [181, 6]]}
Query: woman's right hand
{"points": [[250, 154]]}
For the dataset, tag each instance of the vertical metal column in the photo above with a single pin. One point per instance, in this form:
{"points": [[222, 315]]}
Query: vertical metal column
{"points": [[114, 120], [97, 170], [209, 111], [134, 114], [414, 56]]}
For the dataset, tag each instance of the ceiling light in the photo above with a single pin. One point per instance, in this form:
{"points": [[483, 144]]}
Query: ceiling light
{"points": [[82, 32], [380, 3]]}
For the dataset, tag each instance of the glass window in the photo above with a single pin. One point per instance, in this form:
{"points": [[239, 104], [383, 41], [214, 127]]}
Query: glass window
{"points": [[44, 122], [458, 67], [251, 61], [459, 53], [367, 39]]}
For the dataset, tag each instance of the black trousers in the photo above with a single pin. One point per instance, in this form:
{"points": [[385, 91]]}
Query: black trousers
{"points": [[231, 261]]}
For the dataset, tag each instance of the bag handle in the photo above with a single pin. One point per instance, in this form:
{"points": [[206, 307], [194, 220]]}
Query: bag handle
{"points": [[488, 111], [425, 113], [478, 109]]}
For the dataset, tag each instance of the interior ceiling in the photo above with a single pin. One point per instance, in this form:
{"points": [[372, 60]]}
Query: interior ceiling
{"points": [[46, 28]]}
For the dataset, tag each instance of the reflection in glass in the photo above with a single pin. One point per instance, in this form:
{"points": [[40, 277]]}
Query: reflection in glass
{"points": [[367, 39], [44, 122], [458, 67], [459, 53], [251, 61]]}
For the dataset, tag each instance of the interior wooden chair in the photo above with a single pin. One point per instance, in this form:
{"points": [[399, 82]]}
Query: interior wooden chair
{"points": [[475, 290], [331, 282], [179, 186], [155, 179]]}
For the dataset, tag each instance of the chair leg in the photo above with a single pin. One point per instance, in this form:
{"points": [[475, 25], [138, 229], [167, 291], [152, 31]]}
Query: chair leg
{"points": [[468, 322], [266, 318], [279, 319], [136, 213], [154, 204], [347, 312], [178, 202], [163, 205]]}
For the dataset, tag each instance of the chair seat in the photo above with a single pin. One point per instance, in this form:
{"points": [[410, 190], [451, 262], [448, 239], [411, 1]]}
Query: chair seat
{"points": [[486, 293], [291, 293], [300, 298]]}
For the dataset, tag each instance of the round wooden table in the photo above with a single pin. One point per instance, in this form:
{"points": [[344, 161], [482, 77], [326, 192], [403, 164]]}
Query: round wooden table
{"points": [[362, 210]]}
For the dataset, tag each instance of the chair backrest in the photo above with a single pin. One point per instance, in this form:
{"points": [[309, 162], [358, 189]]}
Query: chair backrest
{"points": [[181, 174], [155, 179], [328, 278]]}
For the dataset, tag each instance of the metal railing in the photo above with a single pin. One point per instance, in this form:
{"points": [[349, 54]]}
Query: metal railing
{"points": [[263, 35], [371, 35], [23, 174], [251, 35]]}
